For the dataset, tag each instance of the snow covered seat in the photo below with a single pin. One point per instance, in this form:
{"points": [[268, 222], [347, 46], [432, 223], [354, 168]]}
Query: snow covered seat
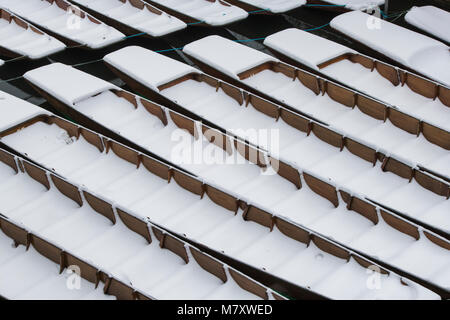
{"points": [[420, 97], [336, 5], [410, 49], [206, 12], [268, 6], [133, 16], [430, 19], [19, 38], [72, 25]]}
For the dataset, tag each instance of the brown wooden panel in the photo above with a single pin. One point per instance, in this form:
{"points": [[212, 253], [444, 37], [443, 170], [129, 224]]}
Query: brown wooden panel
{"points": [[8, 159], [18, 234], [361, 150], [360, 206], [37, 174], [400, 224], [187, 182], [388, 72], [366, 264], [249, 285], [438, 241], [404, 121], [184, 123], [176, 246], [362, 60], [250, 153], [295, 120], [397, 167], [124, 152], [131, 98], [264, 106], [436, 135], [259, 216], [233, 92], [292, 231], [341, 95], [322, 188], [309, 81], [327, 135], [334, 60], [329, 247], [155, 167], [444, 95], [46, 249], [285, 69], [88, 271], [191, 76], [119, 290], [100, 206], [218, 138], [286, 171], [92, 138], [141, 296], [135, 224], [155, 109], [432, 184], [72, 129], [421, 86], [67, 189], [250, 72], [371, 107], [221, 198], [209, 264]]}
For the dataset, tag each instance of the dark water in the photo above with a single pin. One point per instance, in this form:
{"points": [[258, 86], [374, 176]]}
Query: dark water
{"points": [[255, 26]]}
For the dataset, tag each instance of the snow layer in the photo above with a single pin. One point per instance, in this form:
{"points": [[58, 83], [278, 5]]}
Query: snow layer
{"points": [[133, 58], [15, 111], [65, 23], [143, 19], [215, 13], [199, 219], [383, 136], [312, 50], [276, 6], [356, 4], [271, 191], [26, 42], [114, 248], [414, 50], [2, 62], [226, 55], [430, 19], [305, 47], [27, 275]]}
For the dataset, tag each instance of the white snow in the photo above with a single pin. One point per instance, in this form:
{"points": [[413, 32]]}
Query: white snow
{"points": [[273, 192], [356, 4], [312, 50], [351, 122], [134, 58], [15, 111], [27, 42], [414, 50], [226, 55], [275, 6], [431, 19], [114, 248], [65, 23], [214, 13], [2, 62], [143, 19]]}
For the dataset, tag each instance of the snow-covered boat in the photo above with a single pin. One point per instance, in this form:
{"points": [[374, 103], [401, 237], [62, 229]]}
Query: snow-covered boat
{"points": [[345, 5], [18, 38], [267, 6], [65, 22], [364, 224], [132, 16], [408, 49], [432, 20], [414, 95], [75, 228], [202, 12], [273, 243]]}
